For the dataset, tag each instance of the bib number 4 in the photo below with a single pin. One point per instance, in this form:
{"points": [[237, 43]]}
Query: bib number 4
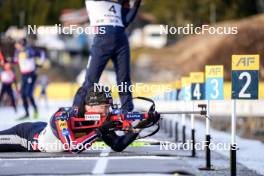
{"points": [[112, 9]]}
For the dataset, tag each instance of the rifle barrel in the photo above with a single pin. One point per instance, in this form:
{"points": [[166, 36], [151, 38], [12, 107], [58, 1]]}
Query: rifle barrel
{"points": [[181, 112]]}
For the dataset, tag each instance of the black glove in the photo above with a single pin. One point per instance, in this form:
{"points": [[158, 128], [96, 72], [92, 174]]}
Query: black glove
{"points": [[108, 126]]}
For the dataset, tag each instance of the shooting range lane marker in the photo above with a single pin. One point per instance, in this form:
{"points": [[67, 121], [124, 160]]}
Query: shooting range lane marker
{"points": [[197, 93], [183, 117], [214, 78], [233, 156], [193, 131], [186, 86], [176, 131], [89, 158], [183, 129], [207, 119], [245, 85], [192, 117], [101, 163], [233, 123], [208, 138]]}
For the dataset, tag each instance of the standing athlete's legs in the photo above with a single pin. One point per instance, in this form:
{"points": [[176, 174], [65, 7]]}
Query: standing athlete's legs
{"points": [[3, 90], [100, 54], [28, 83], [121, 62], [24, 89], [12, 97], [30, 90]]}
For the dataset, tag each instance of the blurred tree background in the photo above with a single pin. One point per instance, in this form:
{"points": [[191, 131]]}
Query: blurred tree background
{"points": [[34, 12], [177, 12], [173, 12]]}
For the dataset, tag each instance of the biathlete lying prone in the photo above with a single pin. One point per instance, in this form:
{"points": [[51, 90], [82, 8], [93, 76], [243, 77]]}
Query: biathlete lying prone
{"points": [[76, 128]]}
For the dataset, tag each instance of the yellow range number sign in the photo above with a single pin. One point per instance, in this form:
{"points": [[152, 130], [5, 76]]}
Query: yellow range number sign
{"points": [[214, 82], [245, 62], [197, 77], [197, 86], [185, 82], [214, 71], [245, 76]]}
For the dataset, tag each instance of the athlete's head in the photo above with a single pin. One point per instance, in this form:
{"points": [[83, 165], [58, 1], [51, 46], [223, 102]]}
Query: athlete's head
{"points": [[98, 100], [21, 44], [95, 107]]}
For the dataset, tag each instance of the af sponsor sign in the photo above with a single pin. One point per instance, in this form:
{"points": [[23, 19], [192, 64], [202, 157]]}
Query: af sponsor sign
{"points": [[245, 76], [214, 86], [197, 86]]}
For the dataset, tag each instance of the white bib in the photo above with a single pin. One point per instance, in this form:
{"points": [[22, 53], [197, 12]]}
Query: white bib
{"points": [[102, 13], [7, 77], [26, 64]]}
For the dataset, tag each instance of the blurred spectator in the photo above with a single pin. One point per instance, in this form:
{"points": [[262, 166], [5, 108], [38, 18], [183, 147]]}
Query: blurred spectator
{"points": [[25, 57], [8, 78], [43, 83]]}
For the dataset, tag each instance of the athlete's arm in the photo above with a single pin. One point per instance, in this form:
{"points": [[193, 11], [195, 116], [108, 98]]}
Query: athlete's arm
{"points": [[128, 13], [42, 57], [38, 53], [63, 129], [117, 143], [2, 58]]}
